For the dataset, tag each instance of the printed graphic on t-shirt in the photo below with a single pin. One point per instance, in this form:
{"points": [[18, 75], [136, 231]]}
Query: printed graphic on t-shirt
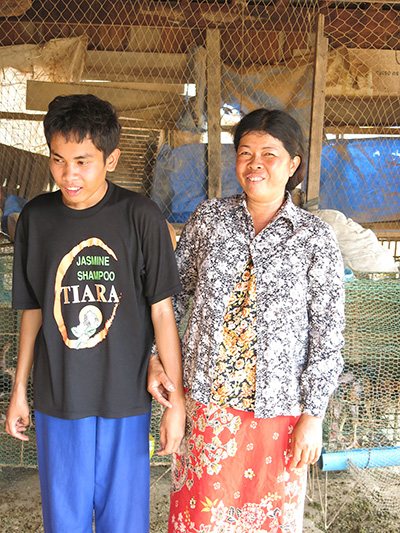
{"points": [[85, 291]]}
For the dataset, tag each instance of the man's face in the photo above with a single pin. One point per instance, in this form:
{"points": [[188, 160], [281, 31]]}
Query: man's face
{"points": [[79, 170]]}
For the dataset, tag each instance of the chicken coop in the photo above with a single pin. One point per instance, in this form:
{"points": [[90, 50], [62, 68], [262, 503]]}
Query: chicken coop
{"points": [[181, 74]]}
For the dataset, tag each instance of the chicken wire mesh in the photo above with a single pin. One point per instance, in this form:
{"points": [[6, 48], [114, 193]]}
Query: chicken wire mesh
{"points": [[181, 74], [364, 411], [11, 453], [363, 415]]}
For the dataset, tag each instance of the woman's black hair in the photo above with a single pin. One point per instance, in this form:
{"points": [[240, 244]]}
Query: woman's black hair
{"points": [[82, 116], [281, 126]]}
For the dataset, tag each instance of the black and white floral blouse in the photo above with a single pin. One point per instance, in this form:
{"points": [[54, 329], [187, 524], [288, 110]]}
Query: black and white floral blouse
{"points": [[300, 302]]}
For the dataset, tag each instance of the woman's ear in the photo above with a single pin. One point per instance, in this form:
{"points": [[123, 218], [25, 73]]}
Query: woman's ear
{"points": [[294, 165], [112, 159]]}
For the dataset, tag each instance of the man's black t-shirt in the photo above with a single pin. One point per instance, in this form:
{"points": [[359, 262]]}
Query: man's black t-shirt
{"points": [[94, 273]]}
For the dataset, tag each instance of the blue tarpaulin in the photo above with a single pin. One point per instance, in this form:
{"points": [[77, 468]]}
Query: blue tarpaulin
{"points": [[180, 178], [361, 178], [180, 174], [275, 87]]}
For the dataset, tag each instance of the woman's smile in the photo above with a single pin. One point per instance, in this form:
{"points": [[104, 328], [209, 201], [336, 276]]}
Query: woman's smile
{"points": [[254, 177], [263, 168]]}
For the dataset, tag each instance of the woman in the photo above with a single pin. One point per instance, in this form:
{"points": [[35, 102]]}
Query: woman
{"points": [[263, 281]]}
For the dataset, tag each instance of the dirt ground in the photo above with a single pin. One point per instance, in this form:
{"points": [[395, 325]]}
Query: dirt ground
{"points": [[20, 502], [20, 509]]}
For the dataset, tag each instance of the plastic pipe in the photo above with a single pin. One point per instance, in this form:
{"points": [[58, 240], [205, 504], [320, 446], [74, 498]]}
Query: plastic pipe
{"points": [[364, 458]]}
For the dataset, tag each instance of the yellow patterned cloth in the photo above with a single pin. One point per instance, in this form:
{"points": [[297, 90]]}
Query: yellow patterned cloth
{"points": [[235, 372]]}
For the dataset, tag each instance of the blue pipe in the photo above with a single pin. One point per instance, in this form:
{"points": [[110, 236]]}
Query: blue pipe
{"points": [[363, 458]]}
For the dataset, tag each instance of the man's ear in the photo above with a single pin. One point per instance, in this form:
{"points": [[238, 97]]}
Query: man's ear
{"points": [[112, 159]]}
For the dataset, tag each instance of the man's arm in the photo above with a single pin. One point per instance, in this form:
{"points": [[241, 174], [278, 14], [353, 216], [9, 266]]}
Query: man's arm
{"points": [[169, 350], [17, 418]]}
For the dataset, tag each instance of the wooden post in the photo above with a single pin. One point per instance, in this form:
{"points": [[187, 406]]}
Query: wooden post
{"points": [[317, 117], [213, 113]]}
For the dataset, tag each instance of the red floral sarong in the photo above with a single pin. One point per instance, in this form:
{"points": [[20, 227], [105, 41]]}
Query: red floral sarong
{"points": [[234, 476]]}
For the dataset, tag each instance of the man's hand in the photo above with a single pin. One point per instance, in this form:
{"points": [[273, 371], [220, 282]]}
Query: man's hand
{"points": [[306, 444], [17, 417], [158, 383]]}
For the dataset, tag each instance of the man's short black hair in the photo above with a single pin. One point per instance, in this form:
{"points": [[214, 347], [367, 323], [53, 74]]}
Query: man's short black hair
{"points": [[81, 116]]}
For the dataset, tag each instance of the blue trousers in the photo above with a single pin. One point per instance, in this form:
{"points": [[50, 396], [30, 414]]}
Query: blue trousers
{"points": [[94, 465]]}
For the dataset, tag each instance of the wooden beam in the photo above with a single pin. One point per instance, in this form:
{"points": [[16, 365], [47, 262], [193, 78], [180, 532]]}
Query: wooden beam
{"points": [[317, 117], [116, 13], [362, 130], [165, 88], [137, 123], [214, 113], [136, 67], [10, 115], [389, 234], [368, 111], [131, 104]]}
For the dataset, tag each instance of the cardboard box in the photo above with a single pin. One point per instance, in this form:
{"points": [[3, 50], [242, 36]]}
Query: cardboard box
{"points": [[383, 67], [359, 72]]}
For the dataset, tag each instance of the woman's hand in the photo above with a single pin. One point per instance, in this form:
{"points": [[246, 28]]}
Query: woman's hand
{"points": [[158, 383], [172, 428], [306, 443], [162, 389]]}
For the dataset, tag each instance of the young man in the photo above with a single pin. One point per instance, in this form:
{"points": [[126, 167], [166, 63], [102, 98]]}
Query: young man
{"points": [[94, 270]]}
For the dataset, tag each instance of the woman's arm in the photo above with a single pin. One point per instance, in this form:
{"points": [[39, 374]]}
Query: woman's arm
{"points": [[326, 318], [324, 362], [158, 383]]}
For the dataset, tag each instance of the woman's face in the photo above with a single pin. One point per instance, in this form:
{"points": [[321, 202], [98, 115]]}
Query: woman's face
{"points": [[263, 167]]}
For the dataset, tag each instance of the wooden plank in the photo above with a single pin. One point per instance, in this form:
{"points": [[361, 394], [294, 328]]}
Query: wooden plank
{"points": [[344, 24], [213, 113], [144, 105], [389, 234], [9, 115], [156, 87], [145, 124], [317, 117], [136, 67], [110, 13], [353, 130], [367, 111], [124, 121]]}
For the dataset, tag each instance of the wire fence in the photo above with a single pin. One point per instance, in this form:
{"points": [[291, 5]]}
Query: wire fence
{"points": [[181, 74]]}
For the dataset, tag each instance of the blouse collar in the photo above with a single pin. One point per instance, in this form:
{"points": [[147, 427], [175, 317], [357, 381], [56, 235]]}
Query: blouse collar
{"points": [[288, 209]]}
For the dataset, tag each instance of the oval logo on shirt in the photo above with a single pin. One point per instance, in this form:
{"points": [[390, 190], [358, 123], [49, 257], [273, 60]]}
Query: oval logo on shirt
{"points": [[85, 284]]}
